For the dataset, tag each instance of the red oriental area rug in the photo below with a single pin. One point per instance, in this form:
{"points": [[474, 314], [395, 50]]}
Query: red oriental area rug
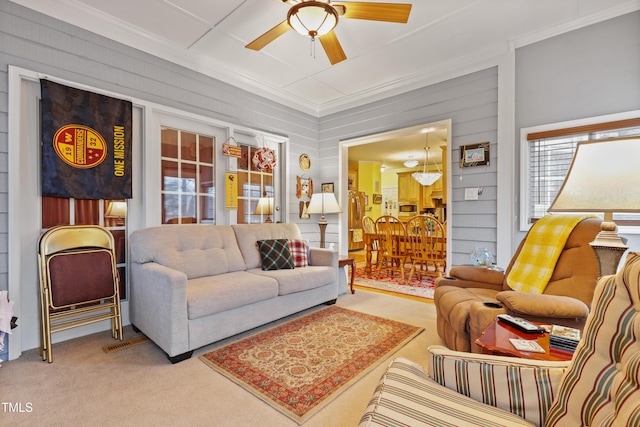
{"points": [[300, 366], [421, 287]]}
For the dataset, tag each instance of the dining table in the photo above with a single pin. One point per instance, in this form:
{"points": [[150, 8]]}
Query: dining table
{"points": [[369, 238]]}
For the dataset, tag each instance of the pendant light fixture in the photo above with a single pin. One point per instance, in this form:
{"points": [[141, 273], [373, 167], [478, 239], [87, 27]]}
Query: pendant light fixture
{"points": [[424, 177]]}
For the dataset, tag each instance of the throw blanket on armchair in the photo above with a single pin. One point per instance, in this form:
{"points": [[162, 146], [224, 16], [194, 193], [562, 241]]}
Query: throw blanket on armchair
{"points": [[537, 259]]}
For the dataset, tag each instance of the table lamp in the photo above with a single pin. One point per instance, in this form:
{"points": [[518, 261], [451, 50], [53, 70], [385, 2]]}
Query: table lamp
{"points": [[265, 207], [603, 177], [323, 203], [118, 210]]}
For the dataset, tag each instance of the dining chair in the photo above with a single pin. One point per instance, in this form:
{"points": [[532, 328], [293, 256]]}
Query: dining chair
{"points": [[428, 244], [371, 241], [392, 240]]}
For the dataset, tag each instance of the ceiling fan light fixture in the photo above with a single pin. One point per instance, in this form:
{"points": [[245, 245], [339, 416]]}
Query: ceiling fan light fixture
{"points": [[312, 18]]}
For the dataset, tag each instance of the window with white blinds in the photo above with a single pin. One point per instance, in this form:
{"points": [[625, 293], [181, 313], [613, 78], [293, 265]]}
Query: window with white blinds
{"points": [[547, 156]]}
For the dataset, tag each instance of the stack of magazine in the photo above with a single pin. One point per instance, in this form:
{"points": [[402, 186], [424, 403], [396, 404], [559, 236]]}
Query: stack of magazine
{"points": [[564, 337]]}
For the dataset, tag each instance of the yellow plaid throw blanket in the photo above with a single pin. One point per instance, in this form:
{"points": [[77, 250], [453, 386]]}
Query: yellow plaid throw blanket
{"points": [[537, 259]]}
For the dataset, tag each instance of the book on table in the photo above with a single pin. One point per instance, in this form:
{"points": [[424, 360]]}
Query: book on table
{"points": [[564, 337]]}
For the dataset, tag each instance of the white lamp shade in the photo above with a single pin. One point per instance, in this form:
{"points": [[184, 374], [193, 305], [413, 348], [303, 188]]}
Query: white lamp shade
{"points": [[323, 203], [602, 178], [116, 210], [265, 206]]}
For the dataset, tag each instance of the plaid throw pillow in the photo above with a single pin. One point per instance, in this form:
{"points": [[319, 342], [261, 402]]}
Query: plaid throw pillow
{"points": [[275, 254], [299, 250]]}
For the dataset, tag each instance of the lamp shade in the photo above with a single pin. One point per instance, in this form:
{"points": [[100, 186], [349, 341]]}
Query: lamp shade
{"points": [[602, 178], [116, 210], [323, 203], [312, 18], [265, 206]]}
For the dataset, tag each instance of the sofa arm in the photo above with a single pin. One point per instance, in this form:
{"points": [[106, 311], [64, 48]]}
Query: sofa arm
{"points": [[159, 306], [406, 396], [520, 386], [543, 305], [322, 256], [467, 276]]}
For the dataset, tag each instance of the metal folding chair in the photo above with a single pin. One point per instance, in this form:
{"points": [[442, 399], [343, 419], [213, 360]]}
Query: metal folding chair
{"points": [[79, 281]]}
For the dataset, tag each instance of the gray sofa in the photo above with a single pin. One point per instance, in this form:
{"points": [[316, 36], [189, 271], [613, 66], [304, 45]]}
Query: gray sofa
{"points": [[195, 284]]}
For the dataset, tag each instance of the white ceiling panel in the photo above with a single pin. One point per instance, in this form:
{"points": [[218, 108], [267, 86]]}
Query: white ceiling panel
{"points": [[211, 11], [156, 17], [210, 36]]}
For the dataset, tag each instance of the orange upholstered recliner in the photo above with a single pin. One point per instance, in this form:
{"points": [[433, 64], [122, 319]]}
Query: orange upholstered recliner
{"points": [[469, 299]]}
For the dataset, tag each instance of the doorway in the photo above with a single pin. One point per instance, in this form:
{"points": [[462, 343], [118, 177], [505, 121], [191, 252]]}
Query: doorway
{"points": [[389, 151]]}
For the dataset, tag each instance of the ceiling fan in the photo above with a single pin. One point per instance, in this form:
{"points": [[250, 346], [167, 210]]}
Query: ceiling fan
{"points": [[319, 18]]}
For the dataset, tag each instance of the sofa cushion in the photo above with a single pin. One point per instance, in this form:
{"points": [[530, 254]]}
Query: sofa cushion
{"points": [[299, 279], [299, 252], [195, 249], [275, 254], [215, 294], [248, 234]]}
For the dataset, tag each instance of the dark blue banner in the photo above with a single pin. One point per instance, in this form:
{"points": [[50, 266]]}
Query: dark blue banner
{"points": [[86, 144]]}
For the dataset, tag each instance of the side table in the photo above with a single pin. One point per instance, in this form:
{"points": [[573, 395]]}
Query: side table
{"points": [[343, 262], [495, 341]]}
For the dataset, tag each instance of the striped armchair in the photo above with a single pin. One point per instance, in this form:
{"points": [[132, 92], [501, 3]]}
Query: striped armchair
{"points": [[599, 387]]}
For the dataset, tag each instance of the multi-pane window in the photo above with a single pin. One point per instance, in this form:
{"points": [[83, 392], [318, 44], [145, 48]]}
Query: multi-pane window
{"points": [[188, 177], [252, 185], [548, 157]]}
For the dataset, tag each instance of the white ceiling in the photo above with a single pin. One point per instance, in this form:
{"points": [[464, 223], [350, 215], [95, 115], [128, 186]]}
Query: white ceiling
{"points": [[441, 39], [393, 149]]}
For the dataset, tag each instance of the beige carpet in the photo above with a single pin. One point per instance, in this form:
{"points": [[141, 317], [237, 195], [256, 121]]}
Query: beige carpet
{"points": [[139, 387]]}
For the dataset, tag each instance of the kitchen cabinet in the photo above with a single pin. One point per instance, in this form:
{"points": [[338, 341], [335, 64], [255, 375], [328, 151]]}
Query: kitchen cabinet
{"points": [[409, 190]]}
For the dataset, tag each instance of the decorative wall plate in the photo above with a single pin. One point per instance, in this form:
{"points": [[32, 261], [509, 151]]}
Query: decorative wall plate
{"points": [[305, 162]]}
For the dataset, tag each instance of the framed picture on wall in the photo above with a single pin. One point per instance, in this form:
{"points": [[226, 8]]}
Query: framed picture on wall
{"points": [[474, 155], [327, 187], [304, 187], [377, 199], [353, 181]]}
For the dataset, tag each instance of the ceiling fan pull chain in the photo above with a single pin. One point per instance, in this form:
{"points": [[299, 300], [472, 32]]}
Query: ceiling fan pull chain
{"points": [[312, 48]]}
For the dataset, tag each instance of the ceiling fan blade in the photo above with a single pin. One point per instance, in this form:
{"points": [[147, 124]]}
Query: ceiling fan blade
{"points": [[332, 47], [269, 36], [388, 12]]}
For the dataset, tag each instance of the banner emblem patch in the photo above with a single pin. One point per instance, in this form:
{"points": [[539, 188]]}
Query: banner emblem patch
{"points": [[80, 146]]}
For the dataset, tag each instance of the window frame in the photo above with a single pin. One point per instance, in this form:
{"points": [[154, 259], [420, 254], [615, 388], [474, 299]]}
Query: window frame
{"points": [[568, 128], [223, 133]]}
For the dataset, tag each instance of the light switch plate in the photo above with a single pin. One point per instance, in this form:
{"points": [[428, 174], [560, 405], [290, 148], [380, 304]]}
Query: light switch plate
{"points": [[471, 193]]}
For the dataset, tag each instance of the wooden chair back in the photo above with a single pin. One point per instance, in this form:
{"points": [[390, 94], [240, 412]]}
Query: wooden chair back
{"points": [[428, 245], [392, 240]]}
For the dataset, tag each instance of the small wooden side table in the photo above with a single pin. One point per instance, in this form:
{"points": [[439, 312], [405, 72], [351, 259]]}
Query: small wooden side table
{"points": [[343, 262], [495, 341]]}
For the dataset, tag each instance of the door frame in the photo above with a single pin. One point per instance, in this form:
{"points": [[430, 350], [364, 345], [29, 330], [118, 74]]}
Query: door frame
{"points": [[343, 161]]}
